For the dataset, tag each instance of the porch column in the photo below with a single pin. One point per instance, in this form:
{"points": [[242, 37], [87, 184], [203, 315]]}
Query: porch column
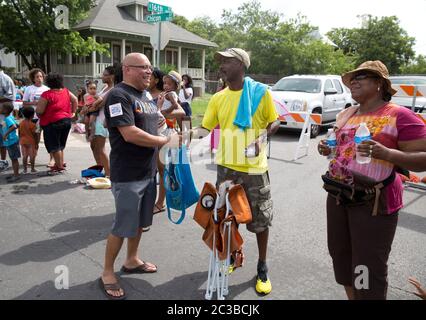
{"points": [[123, 49], [180, 60], [94, 61], [203, 71]]}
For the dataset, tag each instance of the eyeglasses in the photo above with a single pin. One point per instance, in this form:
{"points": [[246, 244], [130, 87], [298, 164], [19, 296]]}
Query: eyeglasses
{"points": [[363, 76], [144, 67]]}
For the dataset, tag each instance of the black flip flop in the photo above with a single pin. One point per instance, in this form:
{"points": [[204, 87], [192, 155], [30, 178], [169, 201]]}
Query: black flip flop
{"points": [[111, 287], [157, 209], [143, 268]]}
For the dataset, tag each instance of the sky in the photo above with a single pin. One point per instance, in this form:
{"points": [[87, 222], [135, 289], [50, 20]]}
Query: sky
{"points": [[325, 14]]}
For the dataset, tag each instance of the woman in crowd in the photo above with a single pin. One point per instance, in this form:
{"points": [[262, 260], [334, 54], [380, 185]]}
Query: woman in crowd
{"points": [[55, 109], [31, 97], [156, 86], [364, 199], [97, 143]]}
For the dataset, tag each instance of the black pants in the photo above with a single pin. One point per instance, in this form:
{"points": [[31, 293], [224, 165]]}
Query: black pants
{"points": [[187, 108], [56, 134], [359, 242]]}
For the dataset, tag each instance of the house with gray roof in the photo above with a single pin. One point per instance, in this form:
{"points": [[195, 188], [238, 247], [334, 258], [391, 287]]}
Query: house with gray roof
{"points": [[121, 24]]}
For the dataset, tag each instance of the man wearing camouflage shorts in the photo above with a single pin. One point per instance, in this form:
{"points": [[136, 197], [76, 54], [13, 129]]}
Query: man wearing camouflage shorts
{"points": [[244, 126]]}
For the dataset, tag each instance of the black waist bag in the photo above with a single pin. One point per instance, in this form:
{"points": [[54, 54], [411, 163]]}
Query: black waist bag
{"points": [[360, 193]]}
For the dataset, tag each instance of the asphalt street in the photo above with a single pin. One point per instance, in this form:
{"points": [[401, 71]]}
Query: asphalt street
{"points": [[48, 222]]}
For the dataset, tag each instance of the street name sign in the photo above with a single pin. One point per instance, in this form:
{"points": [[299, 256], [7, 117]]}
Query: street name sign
{"points": [[153, 18], [158, 8]]}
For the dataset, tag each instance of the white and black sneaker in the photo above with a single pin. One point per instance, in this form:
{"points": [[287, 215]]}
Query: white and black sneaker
{"points": [[4, 164]]}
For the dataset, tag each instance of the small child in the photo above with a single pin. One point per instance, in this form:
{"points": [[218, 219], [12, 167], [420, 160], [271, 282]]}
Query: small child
{"points": [[10, 139], [169, 100], [28, 139], [80, 98], [90, 117]]}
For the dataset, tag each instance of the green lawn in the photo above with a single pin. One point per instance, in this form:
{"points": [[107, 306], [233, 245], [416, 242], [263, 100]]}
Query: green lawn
{"points": [[199, 106]]}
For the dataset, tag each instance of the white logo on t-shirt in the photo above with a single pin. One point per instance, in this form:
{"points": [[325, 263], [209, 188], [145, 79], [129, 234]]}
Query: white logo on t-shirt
{"points": [[115, 110]]}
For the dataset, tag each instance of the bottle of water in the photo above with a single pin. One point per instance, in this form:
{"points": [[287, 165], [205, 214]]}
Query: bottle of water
{"points": [[361, 135], [331, 143]]}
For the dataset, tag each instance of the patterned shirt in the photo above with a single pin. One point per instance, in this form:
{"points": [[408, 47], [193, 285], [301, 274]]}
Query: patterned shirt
{"points": [[388, 126]]}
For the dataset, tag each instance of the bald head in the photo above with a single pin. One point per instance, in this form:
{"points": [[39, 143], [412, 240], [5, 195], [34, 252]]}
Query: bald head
{"points": [[135, 58], [137, 70]]}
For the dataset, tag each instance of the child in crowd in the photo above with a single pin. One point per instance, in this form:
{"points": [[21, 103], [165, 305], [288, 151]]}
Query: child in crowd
{"points": [[89, 99], [28, 139], [168, 104], [10, 138], [81, 92], [169, 100]]}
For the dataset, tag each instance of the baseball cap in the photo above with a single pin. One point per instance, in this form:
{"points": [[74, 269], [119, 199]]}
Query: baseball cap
{"points": [[237, 53]]}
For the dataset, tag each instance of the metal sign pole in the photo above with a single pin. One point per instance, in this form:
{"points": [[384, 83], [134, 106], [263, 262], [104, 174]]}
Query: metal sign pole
{"points": [[413, 107], [158, 45]]}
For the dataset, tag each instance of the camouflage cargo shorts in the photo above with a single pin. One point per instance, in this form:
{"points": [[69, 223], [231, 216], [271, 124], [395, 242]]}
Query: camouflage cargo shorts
{"points": [[258, 191]]}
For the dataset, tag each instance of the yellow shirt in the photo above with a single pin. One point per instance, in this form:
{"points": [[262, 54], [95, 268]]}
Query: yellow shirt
{"points": [[221, 110]]}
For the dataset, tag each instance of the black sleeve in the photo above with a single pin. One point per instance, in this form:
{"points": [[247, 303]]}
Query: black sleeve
{"points": [[119, 109]]}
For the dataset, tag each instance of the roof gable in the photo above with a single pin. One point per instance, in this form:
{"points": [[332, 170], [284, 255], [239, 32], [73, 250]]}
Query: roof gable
{"points": [[123, 3], [110, 15]]}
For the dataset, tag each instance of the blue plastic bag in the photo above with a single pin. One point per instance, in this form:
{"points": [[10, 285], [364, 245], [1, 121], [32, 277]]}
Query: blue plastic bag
{"points": [[181, 192], [93, 172]]}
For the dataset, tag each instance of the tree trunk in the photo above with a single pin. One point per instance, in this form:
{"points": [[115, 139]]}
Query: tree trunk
{"points": [[49, 65], [38, 61], [24, 58]]}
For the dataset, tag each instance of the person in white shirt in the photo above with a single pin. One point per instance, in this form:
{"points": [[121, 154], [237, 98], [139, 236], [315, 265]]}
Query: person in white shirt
{"points": [[32, 95], [186, 94], [7, 94]]}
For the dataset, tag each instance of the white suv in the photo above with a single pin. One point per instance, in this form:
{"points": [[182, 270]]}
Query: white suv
{"points": [[325, 94]]}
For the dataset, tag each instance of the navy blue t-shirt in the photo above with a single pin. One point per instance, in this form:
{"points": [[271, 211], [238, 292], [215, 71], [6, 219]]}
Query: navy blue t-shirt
{"points": [[126, 106]]}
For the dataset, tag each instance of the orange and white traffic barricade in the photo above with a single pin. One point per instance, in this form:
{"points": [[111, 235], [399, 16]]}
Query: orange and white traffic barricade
{"points": [[308, 119], [412, 92]]}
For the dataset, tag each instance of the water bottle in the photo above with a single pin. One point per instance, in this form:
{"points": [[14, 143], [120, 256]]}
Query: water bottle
{"points": [[361, 135], [331, 143]]}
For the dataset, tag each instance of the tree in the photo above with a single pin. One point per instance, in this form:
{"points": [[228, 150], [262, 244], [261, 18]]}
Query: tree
{"points": [[276, 47], [35, 20], [418, 66], [378, 39], [204, 27]]}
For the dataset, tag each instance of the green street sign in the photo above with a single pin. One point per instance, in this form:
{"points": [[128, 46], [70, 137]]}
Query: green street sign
{"points": [[158, 8], [159, 17]]}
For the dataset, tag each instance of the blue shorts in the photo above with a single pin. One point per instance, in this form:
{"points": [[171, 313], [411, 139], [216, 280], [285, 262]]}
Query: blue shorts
{"points": [[100, 130], [134, 204], [13, 151], [1, 138]]}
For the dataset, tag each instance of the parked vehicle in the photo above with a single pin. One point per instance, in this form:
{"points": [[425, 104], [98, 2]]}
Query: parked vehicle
{"points": [[420, 102], [324, 94]]}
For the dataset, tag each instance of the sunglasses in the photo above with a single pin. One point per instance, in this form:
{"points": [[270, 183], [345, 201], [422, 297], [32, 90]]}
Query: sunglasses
{"points": [[363, 76]]}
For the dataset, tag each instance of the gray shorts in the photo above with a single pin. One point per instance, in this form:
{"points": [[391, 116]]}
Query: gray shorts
{"points": [[134, 203], [258, 191]]}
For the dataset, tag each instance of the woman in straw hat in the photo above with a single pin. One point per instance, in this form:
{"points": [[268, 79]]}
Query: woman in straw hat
{"points": [[364, 199]]}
